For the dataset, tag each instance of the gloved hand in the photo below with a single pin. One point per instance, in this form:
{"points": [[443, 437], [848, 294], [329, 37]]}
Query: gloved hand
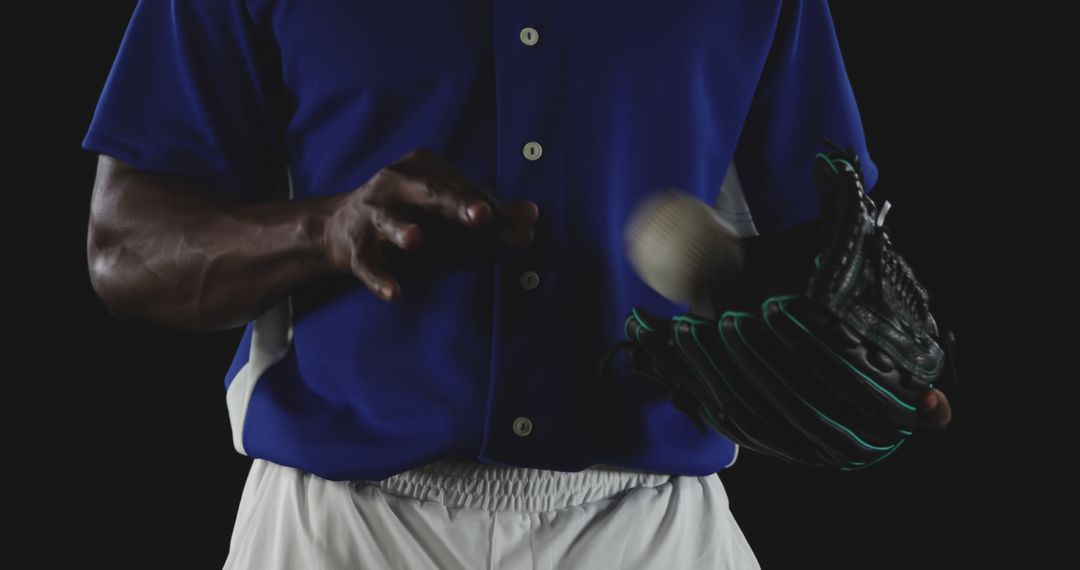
{"points": [[837, 376]]}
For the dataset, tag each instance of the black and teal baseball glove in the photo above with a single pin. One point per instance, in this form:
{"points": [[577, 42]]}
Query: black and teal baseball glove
{"points": [[829, 377]]}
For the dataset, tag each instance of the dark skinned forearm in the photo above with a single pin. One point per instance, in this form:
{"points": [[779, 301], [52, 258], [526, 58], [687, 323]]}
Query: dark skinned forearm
{"points": [[165, 250]]}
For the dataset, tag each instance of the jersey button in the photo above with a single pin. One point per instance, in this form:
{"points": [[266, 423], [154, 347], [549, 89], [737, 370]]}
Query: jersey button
{"points": [[529, 280], [532, 150], [523, 426], [529, 36]]}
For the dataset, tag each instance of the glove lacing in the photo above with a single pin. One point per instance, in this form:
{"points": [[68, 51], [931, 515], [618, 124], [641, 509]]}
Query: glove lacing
{"points": [[892, 270]]}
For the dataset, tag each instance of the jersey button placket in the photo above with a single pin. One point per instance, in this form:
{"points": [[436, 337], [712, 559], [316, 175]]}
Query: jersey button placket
{"points": [[532, 151], [530, 279], [530, 36]]}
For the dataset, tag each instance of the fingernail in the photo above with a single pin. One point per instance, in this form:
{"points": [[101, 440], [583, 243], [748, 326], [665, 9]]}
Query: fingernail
{"points": [[475, 209], [931, 402]]}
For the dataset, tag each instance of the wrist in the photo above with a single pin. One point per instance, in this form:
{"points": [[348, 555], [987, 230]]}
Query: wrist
{"points": [[315, 221]]}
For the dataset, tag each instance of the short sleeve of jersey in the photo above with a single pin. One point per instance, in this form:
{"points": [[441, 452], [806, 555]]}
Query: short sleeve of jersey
{"points": [[803, 92], [191, 91]]}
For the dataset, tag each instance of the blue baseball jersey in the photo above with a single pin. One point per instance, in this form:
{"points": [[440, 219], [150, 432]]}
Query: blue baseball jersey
{"points": [[582, 107]]}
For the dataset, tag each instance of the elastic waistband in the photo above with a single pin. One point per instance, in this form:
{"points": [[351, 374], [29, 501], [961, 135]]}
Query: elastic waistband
{"points": [[473, 484]]}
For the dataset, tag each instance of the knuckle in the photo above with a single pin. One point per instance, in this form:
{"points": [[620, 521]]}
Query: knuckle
{"points": [[385, 180], [419, 152], [378, 218], [380, 177], [432, 187], [370, 206]]}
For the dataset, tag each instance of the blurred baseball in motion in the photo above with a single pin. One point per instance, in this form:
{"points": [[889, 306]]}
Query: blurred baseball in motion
{"points": [[680, 246]]}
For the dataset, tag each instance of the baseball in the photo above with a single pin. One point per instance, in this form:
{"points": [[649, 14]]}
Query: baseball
{"points": [[680, 246]]}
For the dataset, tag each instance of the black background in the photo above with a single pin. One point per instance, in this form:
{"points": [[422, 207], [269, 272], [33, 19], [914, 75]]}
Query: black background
{"points": [[123, 449]]}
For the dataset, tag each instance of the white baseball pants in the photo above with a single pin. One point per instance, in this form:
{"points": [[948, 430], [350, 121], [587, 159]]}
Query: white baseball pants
{"points": [[463, 514]]}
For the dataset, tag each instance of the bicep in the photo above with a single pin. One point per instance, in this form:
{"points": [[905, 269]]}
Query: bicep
{"points": [[193, 92]]}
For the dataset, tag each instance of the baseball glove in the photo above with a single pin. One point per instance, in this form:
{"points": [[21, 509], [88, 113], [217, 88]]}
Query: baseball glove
{"points": [[831, 377]]}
